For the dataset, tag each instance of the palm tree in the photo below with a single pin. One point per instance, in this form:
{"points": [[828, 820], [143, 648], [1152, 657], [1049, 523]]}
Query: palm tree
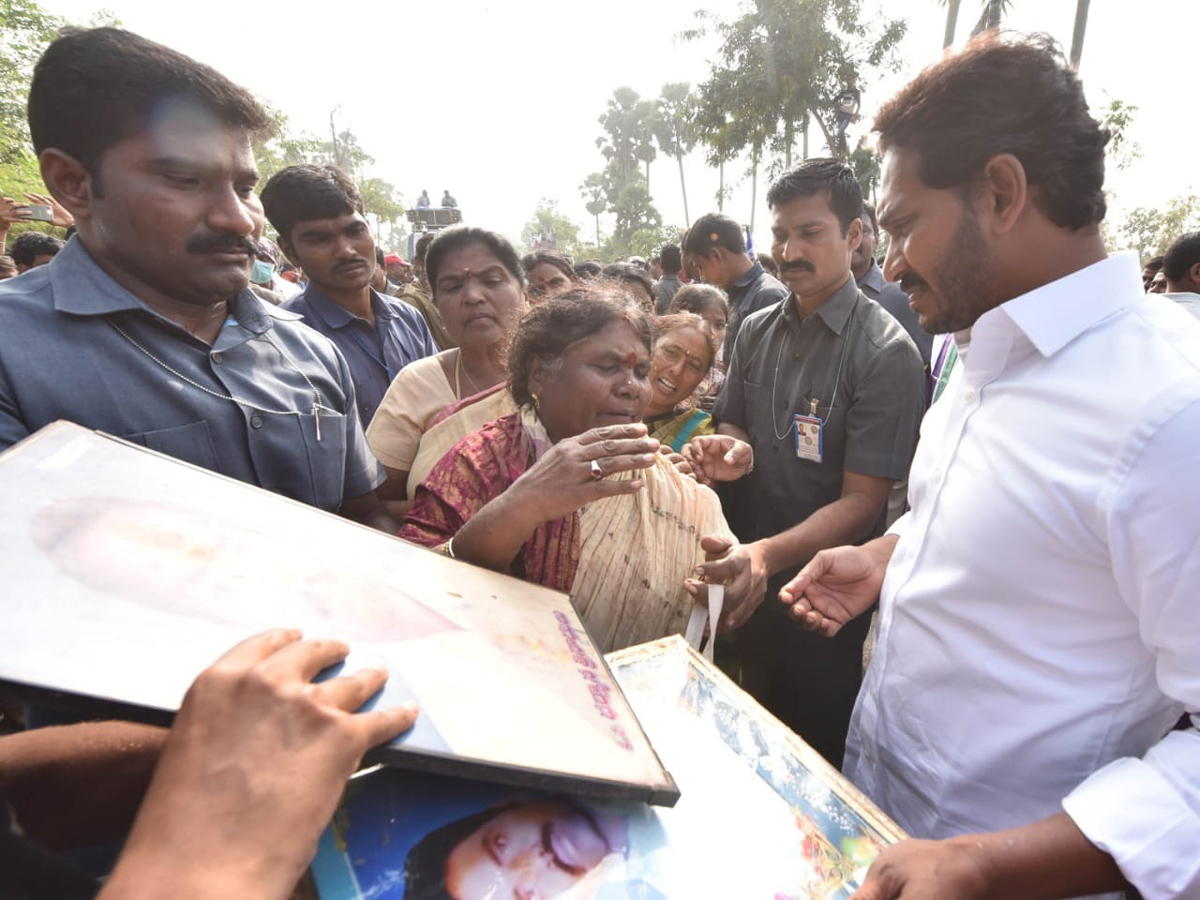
{"points": [[1081, 14], [951, 21], [990, 16], [676, 129]]}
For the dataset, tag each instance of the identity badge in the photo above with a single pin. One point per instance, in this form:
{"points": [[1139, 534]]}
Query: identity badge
{"points": [[809, 438]]}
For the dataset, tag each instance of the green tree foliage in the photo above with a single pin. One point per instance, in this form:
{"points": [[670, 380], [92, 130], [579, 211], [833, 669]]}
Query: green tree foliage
{"points": [[282, 147], [675, 128], [629, 123], [781, 63], [549, 223], [285, 147], [628, 144], [866, 164], [1151, 231], [635, 213], [25, 30], [593, 191]]}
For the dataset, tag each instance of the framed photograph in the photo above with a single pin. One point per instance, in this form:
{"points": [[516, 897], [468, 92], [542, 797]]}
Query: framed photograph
{"points": [[128, 572], [761, 815]]}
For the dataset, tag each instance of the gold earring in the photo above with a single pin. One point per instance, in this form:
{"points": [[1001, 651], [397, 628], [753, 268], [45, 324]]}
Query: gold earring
{"points": [[537, 403]]}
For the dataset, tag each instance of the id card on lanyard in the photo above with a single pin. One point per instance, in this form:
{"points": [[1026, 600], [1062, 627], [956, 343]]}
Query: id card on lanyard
{"points": [[810, 435]]}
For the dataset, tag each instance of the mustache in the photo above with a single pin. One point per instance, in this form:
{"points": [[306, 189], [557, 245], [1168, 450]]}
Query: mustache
{"points": [[799, 265], [910, 281], [221, 243], [349, 264]]}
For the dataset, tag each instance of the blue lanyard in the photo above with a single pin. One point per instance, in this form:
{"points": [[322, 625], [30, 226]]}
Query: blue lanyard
{"points": [[370, 351]]}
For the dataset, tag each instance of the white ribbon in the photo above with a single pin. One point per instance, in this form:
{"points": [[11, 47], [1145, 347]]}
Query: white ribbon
{"points": [[695, 626]]}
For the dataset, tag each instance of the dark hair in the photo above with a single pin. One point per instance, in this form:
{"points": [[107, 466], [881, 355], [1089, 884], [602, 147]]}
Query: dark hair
{"points": [[714, 230], [768, 263], [588, 269], [96, 87], [307, 191], [1004, 94], [672, 259], [694, 298], [549, 328], [1155, 263], [425, 865], [869, 212], [627, 274], [672, 321], [1180, 258], [32, 244], [530, 260], [827, 176], [462, 236], [380, 258], [422, 247]]}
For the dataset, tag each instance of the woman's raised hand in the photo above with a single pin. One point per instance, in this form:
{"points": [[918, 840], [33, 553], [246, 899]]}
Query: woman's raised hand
{"points": [[575, 471]]}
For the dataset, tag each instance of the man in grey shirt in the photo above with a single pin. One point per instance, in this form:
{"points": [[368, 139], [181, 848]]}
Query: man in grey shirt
{"points": [[668, 284], [717, 248], [143, 326], [887, 294], [829, 390]]}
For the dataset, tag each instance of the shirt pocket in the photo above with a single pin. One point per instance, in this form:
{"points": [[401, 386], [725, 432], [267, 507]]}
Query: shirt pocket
{"points": [[191, 443], [299, 461]]}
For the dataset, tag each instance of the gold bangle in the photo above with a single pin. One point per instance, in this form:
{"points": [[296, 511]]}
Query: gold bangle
{"points": [[448, 547]]}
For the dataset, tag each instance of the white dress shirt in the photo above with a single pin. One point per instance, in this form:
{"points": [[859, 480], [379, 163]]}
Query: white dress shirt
{"points": [[1039, 627]]}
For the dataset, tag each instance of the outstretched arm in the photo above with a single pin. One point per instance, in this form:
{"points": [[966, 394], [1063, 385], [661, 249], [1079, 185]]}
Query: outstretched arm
{"points": [[252, 772]]}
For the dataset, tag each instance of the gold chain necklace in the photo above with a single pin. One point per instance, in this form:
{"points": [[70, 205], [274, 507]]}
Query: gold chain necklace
{"points": [[316, 407], [459, 372]]}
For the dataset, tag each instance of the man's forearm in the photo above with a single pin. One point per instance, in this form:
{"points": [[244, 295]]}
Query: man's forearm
{"points": [[1048, 859], [72, 785], [846, 520]]}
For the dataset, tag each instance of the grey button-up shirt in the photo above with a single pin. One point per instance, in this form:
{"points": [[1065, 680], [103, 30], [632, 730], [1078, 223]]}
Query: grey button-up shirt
{"points": [[865, 375], [891, 297], [62, 357]]}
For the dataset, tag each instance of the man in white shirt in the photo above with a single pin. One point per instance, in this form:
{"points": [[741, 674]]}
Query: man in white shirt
{"points": [[1039, 626], [1181, 266]]}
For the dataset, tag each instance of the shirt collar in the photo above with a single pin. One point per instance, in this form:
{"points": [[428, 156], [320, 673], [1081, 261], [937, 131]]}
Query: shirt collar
{"points": [[753, 272], [82, 288], [336, 316], [1054, 314], [873, 278], [835, 311]]}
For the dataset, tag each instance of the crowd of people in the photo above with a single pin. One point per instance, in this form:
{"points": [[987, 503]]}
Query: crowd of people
{"points": [[985, 439]]}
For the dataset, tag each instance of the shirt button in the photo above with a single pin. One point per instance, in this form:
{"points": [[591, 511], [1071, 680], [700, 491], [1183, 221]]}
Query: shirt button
{"points": [[970, 395], [216, 358], [256, 421]]}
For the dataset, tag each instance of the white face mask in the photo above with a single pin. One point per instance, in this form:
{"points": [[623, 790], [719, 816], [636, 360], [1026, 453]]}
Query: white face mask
{"points": [[261, 272]]}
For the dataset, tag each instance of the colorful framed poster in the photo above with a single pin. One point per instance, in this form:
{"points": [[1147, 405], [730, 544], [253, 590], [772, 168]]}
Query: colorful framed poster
{"points": [[761, 815], [128, 572]]}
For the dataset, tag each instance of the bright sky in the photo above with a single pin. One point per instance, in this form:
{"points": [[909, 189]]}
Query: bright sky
{"points": [[498, 100]]}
